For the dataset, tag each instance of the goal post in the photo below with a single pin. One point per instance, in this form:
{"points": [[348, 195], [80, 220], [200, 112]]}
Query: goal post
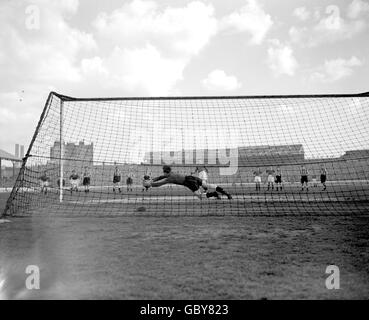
{"points": [[274, 155], [14, 201], [61, 163]]}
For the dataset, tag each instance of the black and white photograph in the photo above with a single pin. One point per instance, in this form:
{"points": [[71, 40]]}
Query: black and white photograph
{"points": [[184, 150]]}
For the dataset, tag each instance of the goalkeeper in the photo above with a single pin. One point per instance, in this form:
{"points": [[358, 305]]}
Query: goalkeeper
{"points": [[190, 182]]}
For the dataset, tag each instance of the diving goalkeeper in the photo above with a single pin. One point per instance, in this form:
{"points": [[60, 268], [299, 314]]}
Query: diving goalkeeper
{"points": [[190, 182]]}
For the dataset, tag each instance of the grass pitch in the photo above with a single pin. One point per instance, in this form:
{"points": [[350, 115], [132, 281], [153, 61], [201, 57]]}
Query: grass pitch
{"points": [[135, 257]]}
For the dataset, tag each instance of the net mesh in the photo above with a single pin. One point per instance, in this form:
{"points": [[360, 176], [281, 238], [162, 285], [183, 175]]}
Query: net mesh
{"points": [[272, 155]]}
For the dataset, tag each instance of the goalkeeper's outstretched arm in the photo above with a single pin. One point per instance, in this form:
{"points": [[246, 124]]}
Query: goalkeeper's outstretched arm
{"points": [[159, 183], [159, 178]]}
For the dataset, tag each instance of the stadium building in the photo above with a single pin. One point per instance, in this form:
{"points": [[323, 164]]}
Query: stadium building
{"points": [[356, 154], [250, 156], [75, 155]]}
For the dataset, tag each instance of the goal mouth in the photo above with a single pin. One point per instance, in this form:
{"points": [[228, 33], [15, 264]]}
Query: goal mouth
{"points": [[229, 155]]}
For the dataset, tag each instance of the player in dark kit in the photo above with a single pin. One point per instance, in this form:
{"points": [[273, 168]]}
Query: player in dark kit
{"points": [[86, 179], [116, 179], [323, 177], [278, 179], [190, 182], [304, 178], [129, 183]]}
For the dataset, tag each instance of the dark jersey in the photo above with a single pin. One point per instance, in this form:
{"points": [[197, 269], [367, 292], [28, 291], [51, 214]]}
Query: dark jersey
{"points": [[173, 178], [116, 173], [191, 182], [44, 178]]}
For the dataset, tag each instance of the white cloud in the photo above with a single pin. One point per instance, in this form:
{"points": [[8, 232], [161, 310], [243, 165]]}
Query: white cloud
{"points": [[297, 34], [186, 30], [34, 60], [46, 55], [150, 45], [142, 69], [8, 109], [146, 67], [330, 27], [301, 13], [139, 46], [252, 19], [219, 80], [19, 112], [356, 8], [65, 6], [281, 59], [93, 67], [335, 69], [6, 116]]}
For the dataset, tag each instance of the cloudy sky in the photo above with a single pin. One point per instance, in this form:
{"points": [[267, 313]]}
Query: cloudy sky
{"points": [[168, 48]]}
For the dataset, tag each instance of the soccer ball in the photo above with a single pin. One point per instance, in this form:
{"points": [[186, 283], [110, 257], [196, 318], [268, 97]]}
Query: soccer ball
{"points": [[147, 183]]}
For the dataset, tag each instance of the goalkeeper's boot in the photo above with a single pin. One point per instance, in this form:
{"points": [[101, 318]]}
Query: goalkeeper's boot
{"points": [[213, 194], [222, 191]]}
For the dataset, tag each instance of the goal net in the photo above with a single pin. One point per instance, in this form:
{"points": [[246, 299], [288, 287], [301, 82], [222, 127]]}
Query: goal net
{"points": [[250, 155]]}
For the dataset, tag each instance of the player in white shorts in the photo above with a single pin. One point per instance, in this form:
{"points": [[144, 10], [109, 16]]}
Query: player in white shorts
{"points": [[74, 181], [315, 183], [257, 179], [270, 178], [202, 173]]}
